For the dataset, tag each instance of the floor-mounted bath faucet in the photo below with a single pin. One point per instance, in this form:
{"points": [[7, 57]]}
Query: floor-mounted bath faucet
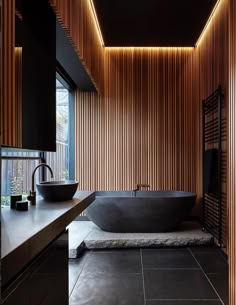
{"points": [[139, 186]]}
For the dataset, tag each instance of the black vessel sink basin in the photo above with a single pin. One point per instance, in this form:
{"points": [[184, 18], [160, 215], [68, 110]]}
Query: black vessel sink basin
{"points": [[57, 190]]}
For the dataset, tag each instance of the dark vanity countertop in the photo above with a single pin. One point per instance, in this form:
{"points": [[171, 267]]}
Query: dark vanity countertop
{"points": [[26, 234]]}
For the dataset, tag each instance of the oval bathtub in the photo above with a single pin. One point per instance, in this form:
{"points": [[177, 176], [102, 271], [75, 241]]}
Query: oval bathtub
{"points": [[143, 211]]}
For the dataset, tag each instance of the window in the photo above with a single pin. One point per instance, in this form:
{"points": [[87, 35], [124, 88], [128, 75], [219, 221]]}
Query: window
{"points": [[18, 165], [17, 168], [61, 161]]}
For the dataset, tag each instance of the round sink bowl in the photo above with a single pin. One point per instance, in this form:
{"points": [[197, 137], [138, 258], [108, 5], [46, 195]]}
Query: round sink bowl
{"points": [[57, 190]]}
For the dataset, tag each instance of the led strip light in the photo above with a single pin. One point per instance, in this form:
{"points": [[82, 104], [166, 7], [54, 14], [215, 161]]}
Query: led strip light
{"points": [[208, 22], [97, 23], [130, 48]]}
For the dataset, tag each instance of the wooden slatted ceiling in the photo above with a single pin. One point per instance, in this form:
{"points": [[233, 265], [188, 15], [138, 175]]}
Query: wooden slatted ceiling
{"points": [[77, 19], [232, 150]]}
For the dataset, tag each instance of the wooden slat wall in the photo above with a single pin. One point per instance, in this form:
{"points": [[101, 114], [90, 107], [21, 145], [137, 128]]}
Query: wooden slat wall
{"points": [[77, 19], [208, 69], [9, 109], [143, 130], [232, 150], [211, 70]]}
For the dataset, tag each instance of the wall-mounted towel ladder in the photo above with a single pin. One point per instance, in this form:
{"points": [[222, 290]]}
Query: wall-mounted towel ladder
{"points": [[212, 164]]}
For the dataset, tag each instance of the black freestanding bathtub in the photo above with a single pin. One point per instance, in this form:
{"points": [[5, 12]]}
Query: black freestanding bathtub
{"points": [[141, 211]]}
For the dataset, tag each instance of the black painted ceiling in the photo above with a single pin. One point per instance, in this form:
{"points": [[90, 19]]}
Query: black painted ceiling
{"points": [[169, 23]]}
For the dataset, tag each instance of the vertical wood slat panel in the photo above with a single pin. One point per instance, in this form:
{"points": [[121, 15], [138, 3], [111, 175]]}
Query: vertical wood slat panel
{"points": [[77, 19], [131, 134], [210, 67], [10, 117], [232, 151]]}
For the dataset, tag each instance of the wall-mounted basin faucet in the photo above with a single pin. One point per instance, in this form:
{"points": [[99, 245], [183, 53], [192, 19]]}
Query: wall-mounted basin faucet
{"points": [[32, 194]]}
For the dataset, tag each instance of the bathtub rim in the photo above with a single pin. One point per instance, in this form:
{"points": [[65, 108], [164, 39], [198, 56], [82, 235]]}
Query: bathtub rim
{"points": [[130, 194]]}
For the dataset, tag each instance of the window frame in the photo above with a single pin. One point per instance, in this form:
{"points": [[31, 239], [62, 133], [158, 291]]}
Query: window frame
{"points": [[65, 80]]}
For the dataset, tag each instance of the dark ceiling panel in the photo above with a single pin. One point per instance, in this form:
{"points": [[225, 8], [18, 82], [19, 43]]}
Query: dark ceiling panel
{"points": [[152, 22]]}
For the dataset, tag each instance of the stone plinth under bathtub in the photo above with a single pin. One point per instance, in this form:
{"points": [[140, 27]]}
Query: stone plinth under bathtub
{"points": [[78, 231], [189, 234]]}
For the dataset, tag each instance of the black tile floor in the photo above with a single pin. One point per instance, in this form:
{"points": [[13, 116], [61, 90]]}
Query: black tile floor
{"points": [[186, 276]]}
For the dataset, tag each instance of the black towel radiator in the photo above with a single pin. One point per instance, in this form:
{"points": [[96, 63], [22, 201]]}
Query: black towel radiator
{"points": [[212, 139]]}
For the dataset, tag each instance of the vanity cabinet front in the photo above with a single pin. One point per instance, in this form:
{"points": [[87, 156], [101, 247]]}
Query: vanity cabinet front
{"points": [[44, 281]]}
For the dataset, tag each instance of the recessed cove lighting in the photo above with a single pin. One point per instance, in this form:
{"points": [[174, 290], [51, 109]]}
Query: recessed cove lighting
{"points": [[216, 7], [96, 23], [150, 48], [190, 45]]}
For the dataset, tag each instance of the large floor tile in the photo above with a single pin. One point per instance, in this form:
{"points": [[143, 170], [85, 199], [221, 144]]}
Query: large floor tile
{"points": [[205, 249], [75, 268], [177, 284], [108, 289], [221, 284], [181, 302], [175, 258], [212, 262], [114, 262]]}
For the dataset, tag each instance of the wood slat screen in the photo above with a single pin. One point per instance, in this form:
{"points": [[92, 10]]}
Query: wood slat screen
{"points": [[232, 151]]}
